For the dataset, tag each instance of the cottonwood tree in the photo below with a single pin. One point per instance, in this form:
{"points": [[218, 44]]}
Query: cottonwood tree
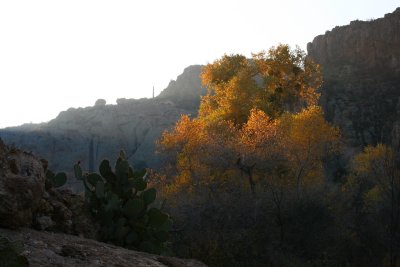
{"points": [[275, 81], [259, 122]]}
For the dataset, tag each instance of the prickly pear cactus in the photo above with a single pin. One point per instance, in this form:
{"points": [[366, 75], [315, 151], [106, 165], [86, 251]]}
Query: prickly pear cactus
{"points": [[120, 200], [55, 180]]}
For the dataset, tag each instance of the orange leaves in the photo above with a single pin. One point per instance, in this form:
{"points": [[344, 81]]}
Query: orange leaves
{"points": [[296, 142], [183, 144], [259, 132], [259, 123], [305, 134], [258, 117], [185, 130], [199, 147]]}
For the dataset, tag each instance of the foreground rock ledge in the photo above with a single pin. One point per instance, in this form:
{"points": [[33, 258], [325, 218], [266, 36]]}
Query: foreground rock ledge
{"points": [[54, 249]]}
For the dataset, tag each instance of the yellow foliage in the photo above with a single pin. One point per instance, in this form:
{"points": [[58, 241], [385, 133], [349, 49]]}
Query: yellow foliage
{"points": [[374, 160], [307, 133], [306, 139], [376, 170], [260, 114], [373, 195], [273, 82], [207, 150]]}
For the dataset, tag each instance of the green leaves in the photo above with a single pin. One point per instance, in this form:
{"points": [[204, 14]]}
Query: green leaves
{"points": [[56, 180], [78, 171], [106, 171], [149, 196], [139, 174], [133, 207], [60, 179], [100, 189], [93, 178], [123, 212], [139, 184], [113, 201], [157, 218], [122, 168]]}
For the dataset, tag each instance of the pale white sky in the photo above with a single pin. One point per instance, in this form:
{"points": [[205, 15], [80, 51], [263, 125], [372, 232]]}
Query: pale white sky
{"points": [[58, 54]]}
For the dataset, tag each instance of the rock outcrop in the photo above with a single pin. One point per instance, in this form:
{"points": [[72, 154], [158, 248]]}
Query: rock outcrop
{"points": [[361, 70], [93, 133], [27, 201], [22, 183], [45, 249], [186, 90]]}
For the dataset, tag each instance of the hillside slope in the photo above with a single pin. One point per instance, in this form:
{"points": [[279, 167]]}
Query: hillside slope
{"points": [[93, 133]]}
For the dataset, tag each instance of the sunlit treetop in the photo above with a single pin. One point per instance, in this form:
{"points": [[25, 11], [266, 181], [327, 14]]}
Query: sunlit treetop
{"points": [[275, 81]]}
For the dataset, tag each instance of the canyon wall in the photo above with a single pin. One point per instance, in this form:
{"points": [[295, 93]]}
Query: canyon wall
{"points": [[361, 70]]}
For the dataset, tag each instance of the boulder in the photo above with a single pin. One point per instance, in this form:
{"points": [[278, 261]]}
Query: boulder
{"points": [[61, 210], [100, 102], [25, 200], [22, 184]]}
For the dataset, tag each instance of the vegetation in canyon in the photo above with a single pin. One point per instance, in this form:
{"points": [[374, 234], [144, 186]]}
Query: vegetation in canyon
{"points": [[281, 159], [247, 179], [122, 205]]}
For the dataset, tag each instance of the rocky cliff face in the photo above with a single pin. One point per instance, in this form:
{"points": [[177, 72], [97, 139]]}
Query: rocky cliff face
{"points": [[186, 89], [361, 70], [94, 133]]}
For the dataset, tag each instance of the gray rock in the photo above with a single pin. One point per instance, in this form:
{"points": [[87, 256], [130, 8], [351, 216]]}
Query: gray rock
{"points": [[21, 186], [100, 102], [91, 134], [44, 222], [361, 90], [46, 249]]}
